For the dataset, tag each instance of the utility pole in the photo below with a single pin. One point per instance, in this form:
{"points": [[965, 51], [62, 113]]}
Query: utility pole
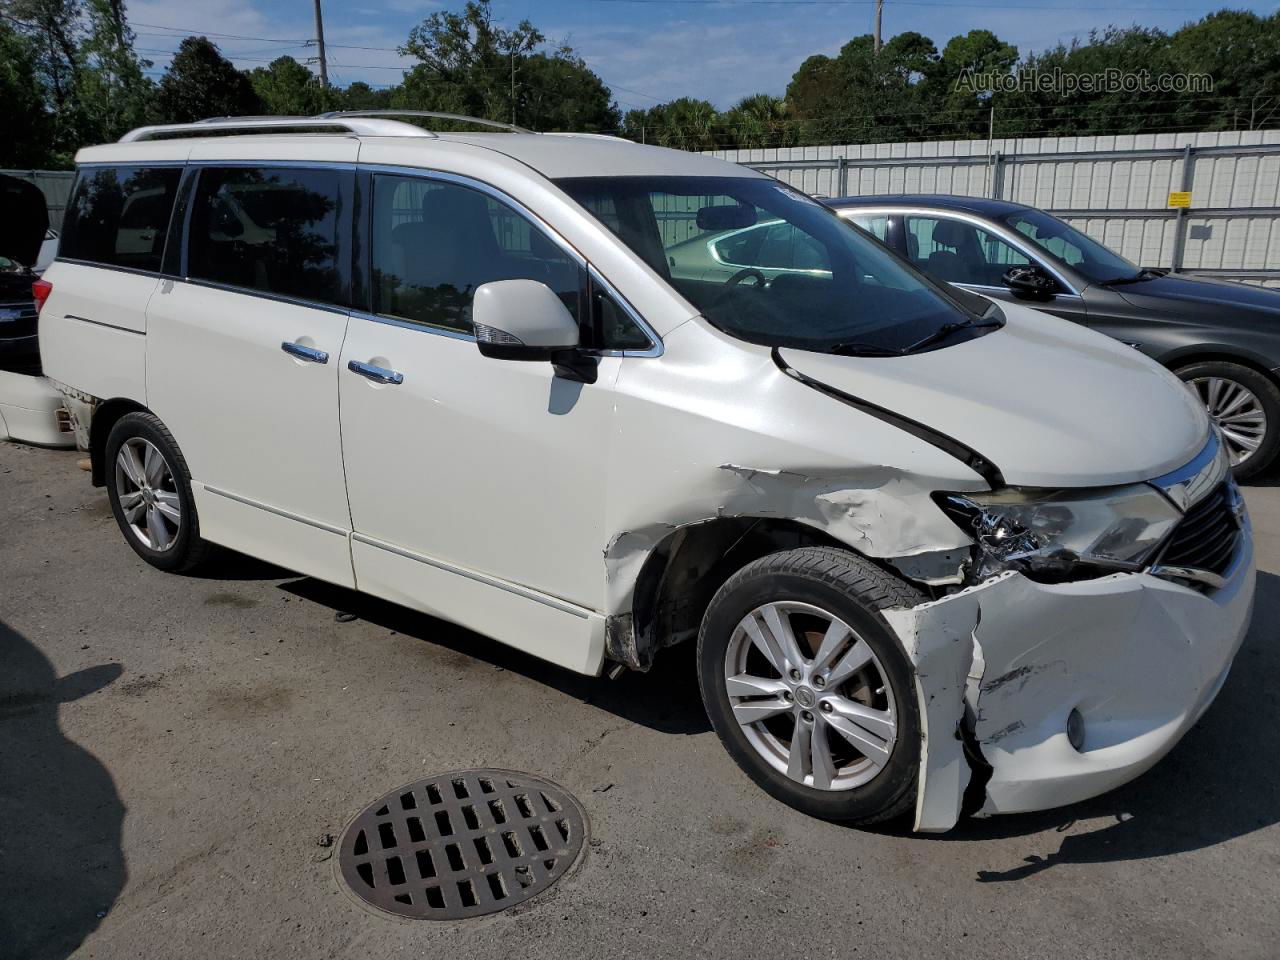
{"points": [[324, 65], [513, 84], [879, 12]]}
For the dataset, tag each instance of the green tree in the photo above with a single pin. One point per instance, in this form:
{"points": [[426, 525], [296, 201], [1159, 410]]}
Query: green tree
{"points": [[287, 88], [760, 120], [469, 64], [686, 124], [557, 91], [22, 97], [959, 109], [862, 95], [200, 83], [111, 89], [1241, 52], [53, 28], [361, 96]]}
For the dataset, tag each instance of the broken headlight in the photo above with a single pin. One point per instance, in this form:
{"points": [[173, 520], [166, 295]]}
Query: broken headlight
{"points": [[1051, 534]]}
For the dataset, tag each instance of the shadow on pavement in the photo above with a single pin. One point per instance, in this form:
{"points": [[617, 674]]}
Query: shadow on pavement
{"points": [[1221, 782], [665, 699], [61, 862]]}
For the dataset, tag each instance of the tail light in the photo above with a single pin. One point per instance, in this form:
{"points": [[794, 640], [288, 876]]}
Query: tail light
{"points": [[40, 289]]}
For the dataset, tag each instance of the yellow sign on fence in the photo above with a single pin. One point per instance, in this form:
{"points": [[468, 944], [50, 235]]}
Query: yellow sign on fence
{"points": [[1179, 198]]}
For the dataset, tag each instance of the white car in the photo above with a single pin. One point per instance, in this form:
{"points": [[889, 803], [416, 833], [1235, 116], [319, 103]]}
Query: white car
{"points": [[938, 555]]}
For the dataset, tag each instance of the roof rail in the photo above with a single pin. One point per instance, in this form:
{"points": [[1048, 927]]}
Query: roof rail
{"points": [[463, 118], [336, 123]]}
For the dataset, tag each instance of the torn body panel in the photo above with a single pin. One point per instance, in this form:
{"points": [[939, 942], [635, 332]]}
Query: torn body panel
{"points": [[689, 454], [1139, 658]]}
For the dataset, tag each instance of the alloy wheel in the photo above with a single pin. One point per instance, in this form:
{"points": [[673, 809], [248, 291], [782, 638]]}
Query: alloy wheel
{"points": [[810, 696], [148, 494], [1237, 411]]}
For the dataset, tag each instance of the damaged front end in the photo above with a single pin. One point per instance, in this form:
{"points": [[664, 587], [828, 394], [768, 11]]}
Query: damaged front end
{"points": [[1073, 657]]}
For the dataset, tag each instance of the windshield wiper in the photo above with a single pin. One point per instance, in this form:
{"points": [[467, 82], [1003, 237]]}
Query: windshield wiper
{"points": [[947, 329], [1146, 273], [855, 349]]}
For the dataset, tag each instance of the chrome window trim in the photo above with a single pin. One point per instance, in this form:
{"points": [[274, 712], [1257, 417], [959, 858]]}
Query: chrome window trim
{"points": [[413, 325], [995, 229], [260, 294], [98, 164], [655, 342], [108, 266], [291, 164], [528, 593], [426, 173]]}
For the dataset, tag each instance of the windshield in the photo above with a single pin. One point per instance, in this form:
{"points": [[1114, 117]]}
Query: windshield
{"points": [[1067, 244], [772, 266]]}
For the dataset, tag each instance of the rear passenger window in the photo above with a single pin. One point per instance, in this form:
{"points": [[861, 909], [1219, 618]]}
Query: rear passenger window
{"points": [[878, 227], [276, 231], [118, 216], [434, 243]]}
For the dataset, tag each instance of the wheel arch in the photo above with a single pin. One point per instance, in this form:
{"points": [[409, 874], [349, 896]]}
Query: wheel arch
{"points": [[683, 571], [1208, 353], [106, 416]]}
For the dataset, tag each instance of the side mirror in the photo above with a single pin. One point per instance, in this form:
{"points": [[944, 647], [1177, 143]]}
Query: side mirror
{"points": [[521, 320], [1031, 282]]}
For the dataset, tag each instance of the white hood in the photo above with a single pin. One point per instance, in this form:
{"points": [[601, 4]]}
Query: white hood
{"points": [[1049, 402]]}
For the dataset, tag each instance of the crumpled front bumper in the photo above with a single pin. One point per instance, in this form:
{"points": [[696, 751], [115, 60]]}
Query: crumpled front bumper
{"points": [[1005, 662]]}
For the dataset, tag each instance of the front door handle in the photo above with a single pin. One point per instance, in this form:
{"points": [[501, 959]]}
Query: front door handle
{"points": [[309, 354], [376, 374]]}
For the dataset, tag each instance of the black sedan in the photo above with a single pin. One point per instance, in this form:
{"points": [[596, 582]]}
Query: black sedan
{"points": [[1221, 337]]}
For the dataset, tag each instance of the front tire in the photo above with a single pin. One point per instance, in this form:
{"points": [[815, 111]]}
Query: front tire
{"points": [[808, 688], [149, 487], [1246, 407]]}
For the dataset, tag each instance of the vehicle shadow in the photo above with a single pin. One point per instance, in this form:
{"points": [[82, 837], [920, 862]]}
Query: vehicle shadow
{"points": [[666, 698], [1221, 782], [61, 861]]}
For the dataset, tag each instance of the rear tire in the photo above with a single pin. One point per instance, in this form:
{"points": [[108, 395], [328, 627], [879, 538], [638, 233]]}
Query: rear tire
{"points": [[149, 487], [1248, 411], [832, 743]]}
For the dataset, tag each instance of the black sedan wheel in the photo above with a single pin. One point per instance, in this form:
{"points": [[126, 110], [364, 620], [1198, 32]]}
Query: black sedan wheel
{"points": [[1246, 407]]}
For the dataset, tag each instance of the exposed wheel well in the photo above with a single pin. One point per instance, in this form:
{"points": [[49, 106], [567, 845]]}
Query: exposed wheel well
{"points": [[104, 418], [682, 574]]}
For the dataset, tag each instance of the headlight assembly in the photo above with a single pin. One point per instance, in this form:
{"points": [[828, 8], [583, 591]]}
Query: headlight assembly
{"points": [[1048, 534]]}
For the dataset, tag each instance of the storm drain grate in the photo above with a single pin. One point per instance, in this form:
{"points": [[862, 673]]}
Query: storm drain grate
{"points": [[462, 844]]}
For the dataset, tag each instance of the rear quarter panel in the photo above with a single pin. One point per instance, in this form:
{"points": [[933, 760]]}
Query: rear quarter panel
{"points": [[93, 330]]}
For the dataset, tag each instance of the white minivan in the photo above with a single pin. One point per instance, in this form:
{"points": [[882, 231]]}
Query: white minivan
{"points": [[938, 554]]}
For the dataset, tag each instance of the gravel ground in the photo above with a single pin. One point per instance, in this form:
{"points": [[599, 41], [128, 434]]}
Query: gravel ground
{"points": [[174, 749]]}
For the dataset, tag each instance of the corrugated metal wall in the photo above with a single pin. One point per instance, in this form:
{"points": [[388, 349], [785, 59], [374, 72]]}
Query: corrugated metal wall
{"points": [[1119, 196], [56, 186]]}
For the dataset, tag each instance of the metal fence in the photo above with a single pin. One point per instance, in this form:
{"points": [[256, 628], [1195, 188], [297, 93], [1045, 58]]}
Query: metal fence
{"points": [[1114, 188], [56, 186]]}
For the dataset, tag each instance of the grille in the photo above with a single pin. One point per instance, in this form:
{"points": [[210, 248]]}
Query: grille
{"points": [[1206, 536], [462, 844]]}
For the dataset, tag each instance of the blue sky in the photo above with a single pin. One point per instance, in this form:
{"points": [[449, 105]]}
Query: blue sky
{"points": [[646, 50]]}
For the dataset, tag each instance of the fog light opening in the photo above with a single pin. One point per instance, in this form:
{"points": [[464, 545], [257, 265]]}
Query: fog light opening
{"points": [[1075, 730]]}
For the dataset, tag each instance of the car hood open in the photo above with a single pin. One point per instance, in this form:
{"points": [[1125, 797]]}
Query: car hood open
{"points": [[24, 219], [1050, 403]]}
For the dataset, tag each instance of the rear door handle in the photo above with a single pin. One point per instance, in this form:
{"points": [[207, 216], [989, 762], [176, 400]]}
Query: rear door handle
{"points": [[309, 354], [376, 374]]}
